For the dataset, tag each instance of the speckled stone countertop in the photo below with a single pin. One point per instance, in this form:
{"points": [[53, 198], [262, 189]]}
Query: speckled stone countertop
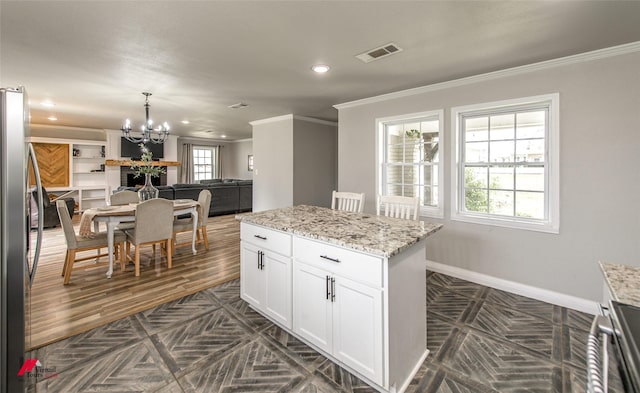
{"points": [[373, 234], [623, 282]]}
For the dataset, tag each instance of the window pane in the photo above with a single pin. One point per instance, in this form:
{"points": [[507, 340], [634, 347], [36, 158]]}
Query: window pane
{"points": [[476, 152], [530, 150], [530, 204], [531, 124], [410, 175], [501, 151], [475, 200], [530, 178], [475, 177], [501, 177], [476, 129], [394, 189], [502, 127], [430, 196], [501, 202], [430, 151]]}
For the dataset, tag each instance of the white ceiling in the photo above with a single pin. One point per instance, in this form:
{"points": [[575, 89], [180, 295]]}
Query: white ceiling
{"points": [[94, 59]]}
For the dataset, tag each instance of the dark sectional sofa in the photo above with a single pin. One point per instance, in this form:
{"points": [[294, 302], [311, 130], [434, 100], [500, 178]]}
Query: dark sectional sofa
{"points": [[227, 196]]}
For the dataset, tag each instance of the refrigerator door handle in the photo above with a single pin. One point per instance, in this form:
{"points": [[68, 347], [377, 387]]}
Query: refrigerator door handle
{"points": [[36, 256]]}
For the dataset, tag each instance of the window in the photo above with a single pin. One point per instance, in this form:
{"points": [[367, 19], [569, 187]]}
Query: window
{"points": [[204, 163], [506, 171], [409, 162]]}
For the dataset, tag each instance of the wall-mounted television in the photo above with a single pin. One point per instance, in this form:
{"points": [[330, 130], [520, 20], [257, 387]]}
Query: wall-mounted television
{"points": [[131, 150]]}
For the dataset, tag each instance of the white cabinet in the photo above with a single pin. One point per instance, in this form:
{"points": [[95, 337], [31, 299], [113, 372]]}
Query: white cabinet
{"points": [[88, 176], [265, 272], [336, 313]]}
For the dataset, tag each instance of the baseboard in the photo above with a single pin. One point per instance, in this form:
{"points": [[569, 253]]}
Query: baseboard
{"points": [[560, 299]]}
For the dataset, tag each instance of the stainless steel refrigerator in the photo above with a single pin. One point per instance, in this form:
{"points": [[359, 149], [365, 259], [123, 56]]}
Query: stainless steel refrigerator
{"points": [[19, 245]]}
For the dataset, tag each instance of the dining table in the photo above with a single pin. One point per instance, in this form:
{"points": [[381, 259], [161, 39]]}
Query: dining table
{"points": [[114, 215]]}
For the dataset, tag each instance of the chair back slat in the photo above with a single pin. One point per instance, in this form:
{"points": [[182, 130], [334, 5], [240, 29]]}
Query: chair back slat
{"points": [[398, 206], [348, 201]]}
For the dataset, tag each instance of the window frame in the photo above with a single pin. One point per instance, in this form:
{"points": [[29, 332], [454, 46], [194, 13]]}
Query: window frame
{"points": [[213, 160], [550, 224], [381, 123]]}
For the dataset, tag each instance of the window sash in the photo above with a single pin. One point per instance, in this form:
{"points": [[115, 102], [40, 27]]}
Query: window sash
{"points": [[510, 186]]}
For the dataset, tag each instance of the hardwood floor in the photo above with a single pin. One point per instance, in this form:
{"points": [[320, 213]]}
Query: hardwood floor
{"points": [[90, 300]]}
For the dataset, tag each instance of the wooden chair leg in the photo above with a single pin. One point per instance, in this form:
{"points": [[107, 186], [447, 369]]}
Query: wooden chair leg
{"points": [[122, 256], [137, 260], [66, 262], [169, 252], [70, 261], [203, 229]]}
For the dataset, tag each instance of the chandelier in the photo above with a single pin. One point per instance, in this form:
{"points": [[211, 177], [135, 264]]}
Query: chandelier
{"points": [[149, 134]]}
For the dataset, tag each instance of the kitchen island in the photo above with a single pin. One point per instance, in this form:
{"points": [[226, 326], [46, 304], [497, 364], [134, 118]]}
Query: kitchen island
{"points": [[351, 285]]}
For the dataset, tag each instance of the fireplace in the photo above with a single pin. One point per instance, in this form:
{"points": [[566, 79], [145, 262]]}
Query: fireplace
{"points": [[127, 178]]}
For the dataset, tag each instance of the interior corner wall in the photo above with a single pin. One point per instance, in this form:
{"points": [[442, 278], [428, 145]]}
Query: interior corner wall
{"points": [[272, 163], [314, 162], [599, 181]]}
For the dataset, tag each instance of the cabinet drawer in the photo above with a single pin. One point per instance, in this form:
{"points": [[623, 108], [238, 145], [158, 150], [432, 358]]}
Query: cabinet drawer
{"points": [[347, 263], [269, 239]]}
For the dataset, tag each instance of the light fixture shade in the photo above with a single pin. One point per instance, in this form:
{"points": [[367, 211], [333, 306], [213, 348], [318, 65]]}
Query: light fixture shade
{"points": [[148, 134]]}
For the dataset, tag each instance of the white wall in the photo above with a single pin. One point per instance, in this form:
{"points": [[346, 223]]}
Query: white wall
{"points": [[599, 173]]}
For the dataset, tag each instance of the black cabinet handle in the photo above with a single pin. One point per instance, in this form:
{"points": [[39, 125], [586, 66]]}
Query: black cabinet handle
{"points": [[328, 290], [336, 260], [260, 260], [333, 289], [260, 237]]}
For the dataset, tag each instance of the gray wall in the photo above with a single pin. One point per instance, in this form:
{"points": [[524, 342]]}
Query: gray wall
{"points": [[272, 160], [599, 175], [236, 160], [315, 163]]}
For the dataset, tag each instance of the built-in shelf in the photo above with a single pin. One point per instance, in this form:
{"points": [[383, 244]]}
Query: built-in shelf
{"points": [[129, 163]]}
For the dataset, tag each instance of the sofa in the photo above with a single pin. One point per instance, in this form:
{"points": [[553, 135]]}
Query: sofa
{"points": [[227, 195], [50, 211]]}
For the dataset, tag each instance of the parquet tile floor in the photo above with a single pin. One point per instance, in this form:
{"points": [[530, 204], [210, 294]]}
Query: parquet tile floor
{"points": [[481, 340]]}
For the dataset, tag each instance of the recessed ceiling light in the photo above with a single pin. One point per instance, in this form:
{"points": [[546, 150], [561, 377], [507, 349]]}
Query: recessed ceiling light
{"points": [[185, 121], [48, 103], [52, 118], [320, 68], [223, 136]]}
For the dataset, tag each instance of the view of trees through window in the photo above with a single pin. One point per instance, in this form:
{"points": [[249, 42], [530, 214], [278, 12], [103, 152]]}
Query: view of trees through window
{"points": [[504, 163]]}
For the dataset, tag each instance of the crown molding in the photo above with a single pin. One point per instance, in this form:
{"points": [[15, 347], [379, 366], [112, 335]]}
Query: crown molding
{"points": [[562, 61], [293, 117]]}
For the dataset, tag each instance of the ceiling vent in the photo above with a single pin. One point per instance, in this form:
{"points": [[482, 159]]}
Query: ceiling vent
{"points": [[239, 105], [380, 52]]}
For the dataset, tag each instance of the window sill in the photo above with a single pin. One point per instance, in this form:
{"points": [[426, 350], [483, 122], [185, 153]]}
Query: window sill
{"points": [[546, 227]]}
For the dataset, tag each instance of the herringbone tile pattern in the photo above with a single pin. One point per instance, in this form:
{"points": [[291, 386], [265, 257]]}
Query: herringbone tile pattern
{"points": [[481, 340]]}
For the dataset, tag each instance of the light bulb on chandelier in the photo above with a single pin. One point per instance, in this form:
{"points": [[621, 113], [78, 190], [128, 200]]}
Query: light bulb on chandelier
{"points": [[149, 134]]}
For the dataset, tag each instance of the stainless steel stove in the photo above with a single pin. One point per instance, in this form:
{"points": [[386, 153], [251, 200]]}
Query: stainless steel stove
{"points": [[622, 329]]}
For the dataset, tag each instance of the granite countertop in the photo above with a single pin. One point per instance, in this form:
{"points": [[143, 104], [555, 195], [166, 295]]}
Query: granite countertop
{"points": [[373, 234], [623, 282]]}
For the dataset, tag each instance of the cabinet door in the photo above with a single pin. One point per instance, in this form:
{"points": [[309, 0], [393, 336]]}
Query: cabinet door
{"points": [[357, 327], [277, 270], [312, 305], [252, 278]]}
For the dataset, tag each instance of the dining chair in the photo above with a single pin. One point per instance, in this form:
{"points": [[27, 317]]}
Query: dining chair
{"points": [[348, 201], [398, 206], [124, 197], [153, 224], [77, 244], [186, 224]]}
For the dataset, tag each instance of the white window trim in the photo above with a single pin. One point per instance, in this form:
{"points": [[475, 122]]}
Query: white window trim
{"points": [[425, 211], [552, 225], [213, 161]]}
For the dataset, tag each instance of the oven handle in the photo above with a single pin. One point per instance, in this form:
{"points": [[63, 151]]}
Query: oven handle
{"points": [[597, 355]]}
